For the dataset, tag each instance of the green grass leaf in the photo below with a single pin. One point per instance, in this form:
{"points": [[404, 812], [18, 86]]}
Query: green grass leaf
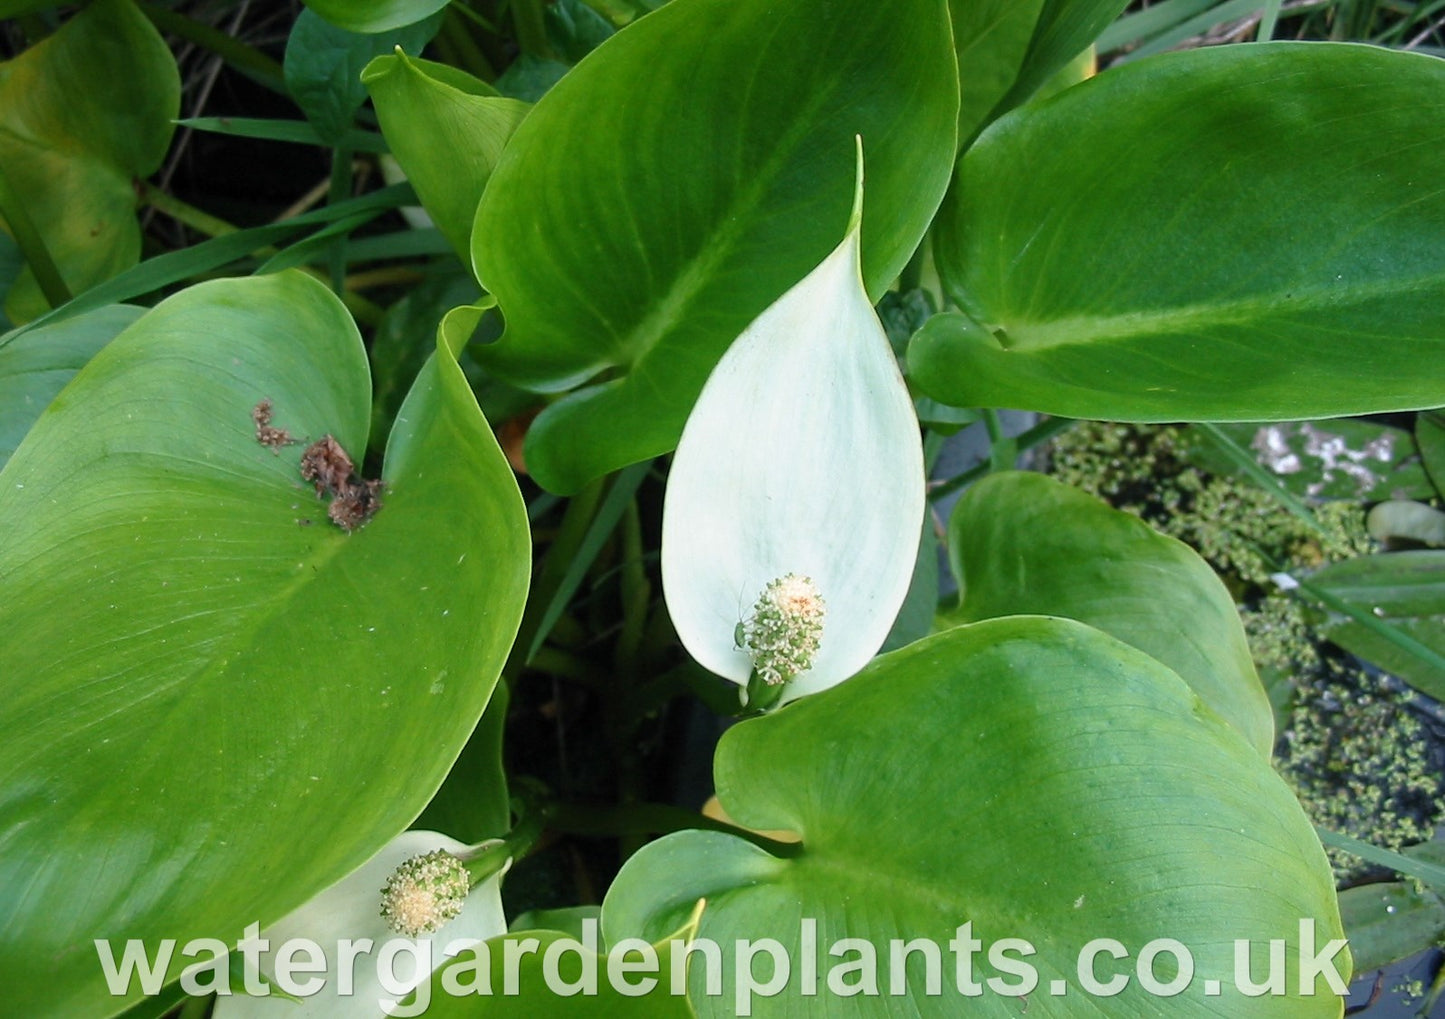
{"points": [[299, 131]]}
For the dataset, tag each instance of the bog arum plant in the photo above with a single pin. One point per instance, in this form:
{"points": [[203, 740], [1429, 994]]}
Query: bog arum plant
{"points": [[418, 885], [797, 489]]}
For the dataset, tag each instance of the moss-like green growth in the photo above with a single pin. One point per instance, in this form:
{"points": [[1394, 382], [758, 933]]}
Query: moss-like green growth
{"points": [[1238, 527], [1357, 755]]}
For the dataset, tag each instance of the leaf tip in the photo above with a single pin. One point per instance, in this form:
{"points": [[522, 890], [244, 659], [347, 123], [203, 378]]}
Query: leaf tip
{"points": [[855, 218]]}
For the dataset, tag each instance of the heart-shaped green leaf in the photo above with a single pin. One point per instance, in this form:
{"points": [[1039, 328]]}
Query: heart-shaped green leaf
{"points": [[420, 103], [82, 114], [681, 178], [223, 702], [1237, 233], [1021, 543], [36, 365], [1032, 777], [324, 65]]}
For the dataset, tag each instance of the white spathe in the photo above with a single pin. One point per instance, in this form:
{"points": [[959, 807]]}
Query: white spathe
{"points": [[802, 455], [351, 909]]}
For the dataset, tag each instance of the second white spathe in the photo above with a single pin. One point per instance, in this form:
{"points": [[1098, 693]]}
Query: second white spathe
{"points": [[349, 910]]}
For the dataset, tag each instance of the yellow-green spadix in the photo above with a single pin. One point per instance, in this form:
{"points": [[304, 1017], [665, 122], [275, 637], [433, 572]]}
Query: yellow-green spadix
{"points": [[379, 977], [800, 462]]}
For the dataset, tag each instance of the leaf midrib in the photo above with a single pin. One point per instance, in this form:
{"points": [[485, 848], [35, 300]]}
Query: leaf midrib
{"points": [[735, 219], [1198, 318]]}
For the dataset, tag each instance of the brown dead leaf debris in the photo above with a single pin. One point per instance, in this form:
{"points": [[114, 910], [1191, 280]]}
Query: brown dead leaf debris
{"points": [[355, 500], [267, 435]]}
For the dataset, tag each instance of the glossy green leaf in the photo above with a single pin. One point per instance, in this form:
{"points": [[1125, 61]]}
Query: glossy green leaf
{"points": [[375, 15], [446, 132], [530, 77], [1164, 243], [324, 64], [566, 920], [1405, 590], [12, 263], [82, 114], [1391, 921], [238, 700], [1022, 543], [1063, 30], [1032, 777], [1081, 68], [36, 365], [664, 193], [158, 1006]]}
